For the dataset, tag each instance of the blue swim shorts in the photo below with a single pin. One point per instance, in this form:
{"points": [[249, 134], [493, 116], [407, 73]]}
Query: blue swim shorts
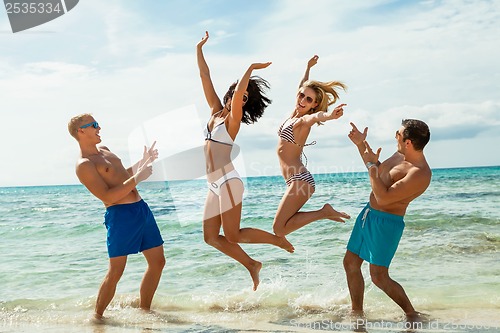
{"points": [[131, 229], [376, 235]]}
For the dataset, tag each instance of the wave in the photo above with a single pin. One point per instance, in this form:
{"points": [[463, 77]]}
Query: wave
{"points": [[271, 310], [475, 195]]}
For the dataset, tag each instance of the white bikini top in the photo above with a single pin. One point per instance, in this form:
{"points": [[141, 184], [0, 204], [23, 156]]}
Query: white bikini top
{"points": [[219, 134]]}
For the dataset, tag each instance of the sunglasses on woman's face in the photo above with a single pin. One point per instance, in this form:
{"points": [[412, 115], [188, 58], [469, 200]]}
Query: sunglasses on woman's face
{"points": [[94, 124], [309, 99]]}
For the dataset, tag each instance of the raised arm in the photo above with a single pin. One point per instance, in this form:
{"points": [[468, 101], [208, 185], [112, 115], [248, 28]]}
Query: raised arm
{"points": [[237, 100], [206, 81], [359, 139], [313, 61]]}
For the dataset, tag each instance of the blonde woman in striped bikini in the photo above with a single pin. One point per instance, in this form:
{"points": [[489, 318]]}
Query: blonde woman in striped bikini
{"points": [[312, 101]]}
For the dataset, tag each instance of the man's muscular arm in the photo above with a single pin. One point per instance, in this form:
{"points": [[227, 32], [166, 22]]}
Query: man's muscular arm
{"points": [[414, 182], [92, 180], [408, 187]]}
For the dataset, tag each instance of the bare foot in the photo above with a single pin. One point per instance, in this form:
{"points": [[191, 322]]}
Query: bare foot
{"points": [[417, 317], [286, 245], [332, 214], [136, 303], [97, 319], [359, 319], [254, 270], [357, 314]]}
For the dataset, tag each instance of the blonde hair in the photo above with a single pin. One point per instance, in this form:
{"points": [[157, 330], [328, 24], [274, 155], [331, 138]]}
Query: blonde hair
{"points": [[326, 93], [75, 123]]}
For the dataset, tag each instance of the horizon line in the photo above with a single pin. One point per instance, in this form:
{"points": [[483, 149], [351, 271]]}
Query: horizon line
{"points": [[247, 177]]}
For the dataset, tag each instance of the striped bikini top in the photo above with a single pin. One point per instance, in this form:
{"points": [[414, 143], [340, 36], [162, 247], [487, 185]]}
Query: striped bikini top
{"points": [[286, 133]]}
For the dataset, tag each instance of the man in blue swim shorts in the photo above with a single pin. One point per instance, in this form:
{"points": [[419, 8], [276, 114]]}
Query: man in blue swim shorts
{"points": [[130, 223], [375, 236], [131, 229]]}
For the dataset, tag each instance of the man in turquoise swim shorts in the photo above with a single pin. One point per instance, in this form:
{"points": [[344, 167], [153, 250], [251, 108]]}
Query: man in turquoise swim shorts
{"points": [[375, 237], [130, 223]]}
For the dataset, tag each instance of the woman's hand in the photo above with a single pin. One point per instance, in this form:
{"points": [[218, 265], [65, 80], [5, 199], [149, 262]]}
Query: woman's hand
{"points": [[260, 65], [313, 61], [203, 40], [337, 112]]}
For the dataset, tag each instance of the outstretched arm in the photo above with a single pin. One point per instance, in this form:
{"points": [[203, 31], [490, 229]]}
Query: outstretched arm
{"points": [[323, 116], [237, 100], [206, 81], [313, 61]]}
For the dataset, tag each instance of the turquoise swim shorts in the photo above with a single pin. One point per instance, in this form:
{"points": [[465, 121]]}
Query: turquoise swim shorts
{"points": [[376, 235], [131, 229]]}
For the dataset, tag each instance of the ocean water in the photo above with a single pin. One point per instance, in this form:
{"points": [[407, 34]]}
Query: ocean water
{"points": [[53, 259]]}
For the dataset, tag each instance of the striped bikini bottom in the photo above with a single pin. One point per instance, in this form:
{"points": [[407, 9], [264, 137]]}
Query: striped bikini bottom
{"points": [[304, 176]]}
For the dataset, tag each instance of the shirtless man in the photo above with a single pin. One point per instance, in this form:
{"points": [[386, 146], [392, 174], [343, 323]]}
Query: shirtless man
{"points": [[130, 223], [379, 227]]}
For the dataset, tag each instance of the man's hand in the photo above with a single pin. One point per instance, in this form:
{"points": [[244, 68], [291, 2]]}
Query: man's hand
{"points": [[369, 155], [145, 165], [356, 136], [144, 170], [149, 154]]}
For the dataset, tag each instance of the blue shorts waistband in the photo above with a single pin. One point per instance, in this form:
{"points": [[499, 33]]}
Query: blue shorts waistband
{"points": [[125, 205], [384, 215]]}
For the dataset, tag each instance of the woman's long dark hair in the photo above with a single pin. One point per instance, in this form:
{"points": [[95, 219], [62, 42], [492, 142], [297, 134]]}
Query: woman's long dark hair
{"points": [[257, 100]]}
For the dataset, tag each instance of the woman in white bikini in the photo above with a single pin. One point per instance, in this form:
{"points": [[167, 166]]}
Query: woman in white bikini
{"points": [[313, 99], [244, 102]]}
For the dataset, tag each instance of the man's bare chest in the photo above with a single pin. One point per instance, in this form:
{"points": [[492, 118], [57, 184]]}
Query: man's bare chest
{"points": [[108, 166], [393, 170]]}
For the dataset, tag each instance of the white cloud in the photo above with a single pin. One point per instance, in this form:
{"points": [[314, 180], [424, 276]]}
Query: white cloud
{"points": [[435, 61]]}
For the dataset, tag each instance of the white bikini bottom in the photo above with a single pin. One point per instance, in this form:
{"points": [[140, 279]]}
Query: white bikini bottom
{"points": [[215, 186]]}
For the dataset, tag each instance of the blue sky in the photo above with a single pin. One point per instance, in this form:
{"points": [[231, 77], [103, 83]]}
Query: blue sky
{"points": [[132, 65]]}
